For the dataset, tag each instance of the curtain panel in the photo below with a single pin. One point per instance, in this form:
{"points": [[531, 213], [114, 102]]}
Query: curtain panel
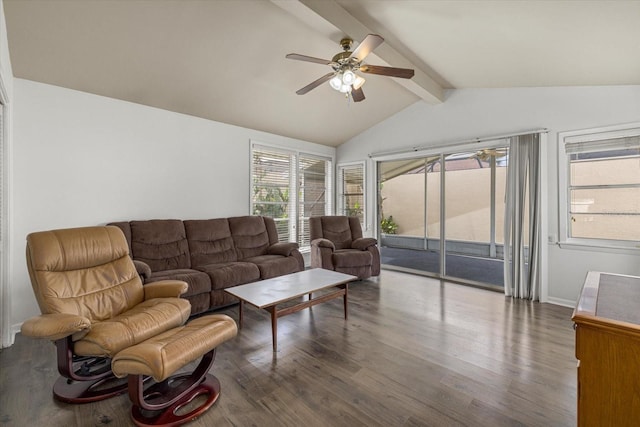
{"points": [[522, 228]]}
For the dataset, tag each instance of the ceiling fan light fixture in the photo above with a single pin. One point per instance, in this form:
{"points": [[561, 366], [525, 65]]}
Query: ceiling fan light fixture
{"points": [[348, 77], [345, 88], [358, 82], [336, 81]]}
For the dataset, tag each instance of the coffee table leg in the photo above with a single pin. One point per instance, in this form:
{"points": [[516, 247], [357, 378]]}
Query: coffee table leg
{"points": [[274, 327], [240, 313]]}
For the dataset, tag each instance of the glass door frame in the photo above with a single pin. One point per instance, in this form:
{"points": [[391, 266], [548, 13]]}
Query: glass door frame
{"points": [[442, 152]]}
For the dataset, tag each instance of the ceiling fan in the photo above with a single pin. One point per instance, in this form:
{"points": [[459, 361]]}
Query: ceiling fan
{"points": [[345, 64]]}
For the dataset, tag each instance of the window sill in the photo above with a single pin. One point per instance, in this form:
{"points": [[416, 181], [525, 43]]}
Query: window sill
{"points": [[592, 247]]}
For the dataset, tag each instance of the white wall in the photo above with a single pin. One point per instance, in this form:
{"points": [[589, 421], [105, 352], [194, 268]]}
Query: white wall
{"points": [[82, 159], [6, 74], [473, 113], [6, 96]]}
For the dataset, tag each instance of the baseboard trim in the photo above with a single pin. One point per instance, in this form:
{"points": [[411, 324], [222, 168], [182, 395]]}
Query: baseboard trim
{"points": [[560, 301]]}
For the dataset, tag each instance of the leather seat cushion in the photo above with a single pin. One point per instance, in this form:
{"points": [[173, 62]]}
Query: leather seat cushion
{"points": [[162, 355], [231, 274], [275, 265], [352, 258], [147, 319]]}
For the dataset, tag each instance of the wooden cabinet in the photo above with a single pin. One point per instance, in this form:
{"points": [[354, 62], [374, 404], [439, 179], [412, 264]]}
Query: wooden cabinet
{"points": [[607, 322]]}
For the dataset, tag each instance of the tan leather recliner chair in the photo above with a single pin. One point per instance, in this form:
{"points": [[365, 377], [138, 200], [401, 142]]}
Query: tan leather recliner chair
{"points": [[337, 244], [94, 306]]}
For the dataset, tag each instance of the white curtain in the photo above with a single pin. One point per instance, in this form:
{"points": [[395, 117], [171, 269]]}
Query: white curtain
{"points": [[522, 236]]}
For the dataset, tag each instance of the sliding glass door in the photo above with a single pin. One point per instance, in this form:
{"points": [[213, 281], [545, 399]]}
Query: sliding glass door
{"points": [[474, 211], [409, 213], [458, 195]]}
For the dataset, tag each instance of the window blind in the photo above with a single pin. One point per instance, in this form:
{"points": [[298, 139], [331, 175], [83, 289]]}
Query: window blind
{"points": [[351, 178], [290, 187], [313, 174], [623, 143], [272, 177]]}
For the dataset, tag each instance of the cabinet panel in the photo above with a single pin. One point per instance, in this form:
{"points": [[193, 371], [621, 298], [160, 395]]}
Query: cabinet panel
{"points": [[608, 350]]}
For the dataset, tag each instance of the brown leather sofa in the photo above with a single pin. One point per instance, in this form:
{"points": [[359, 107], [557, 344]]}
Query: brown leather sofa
{"points": [[210, 254], [337, 244]]}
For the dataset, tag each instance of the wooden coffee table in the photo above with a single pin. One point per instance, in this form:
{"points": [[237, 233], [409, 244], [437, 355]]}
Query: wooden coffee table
{"points": [[267, 294]]}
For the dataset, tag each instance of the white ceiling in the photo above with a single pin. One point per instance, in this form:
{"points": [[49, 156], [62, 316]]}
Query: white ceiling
{"points": [[224, 60]]}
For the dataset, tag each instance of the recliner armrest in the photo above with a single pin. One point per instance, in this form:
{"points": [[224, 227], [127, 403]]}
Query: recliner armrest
{"points": [[143, 269], [282, 248], [55, 326], [323, 243], [165, 289], [363, 243]]}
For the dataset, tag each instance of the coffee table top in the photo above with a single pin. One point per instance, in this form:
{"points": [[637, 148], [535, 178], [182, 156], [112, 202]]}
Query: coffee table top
{"points": [[265, 293]]}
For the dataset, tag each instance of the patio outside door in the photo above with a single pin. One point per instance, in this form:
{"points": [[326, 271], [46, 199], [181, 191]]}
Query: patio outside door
{"points": [[474, 199], [468, 192], [409, 214]]}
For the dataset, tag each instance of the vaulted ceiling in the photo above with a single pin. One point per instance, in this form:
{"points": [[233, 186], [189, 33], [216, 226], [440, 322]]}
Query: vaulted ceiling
{"points": [[224, 60]]}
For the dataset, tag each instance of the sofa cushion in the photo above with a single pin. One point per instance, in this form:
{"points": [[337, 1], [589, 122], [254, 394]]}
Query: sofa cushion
{"points": [[210, 241], [161, 243], [272, 230], [282, 249], [224, 275], [219, 298], [198, 281], [337, 229], [362, 272], [199, 303], [363, 243], [352, 258], [275, 265], [249, 236]]}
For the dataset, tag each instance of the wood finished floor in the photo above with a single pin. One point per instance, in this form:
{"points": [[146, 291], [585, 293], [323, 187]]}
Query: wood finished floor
{"points": [[414, 352]]}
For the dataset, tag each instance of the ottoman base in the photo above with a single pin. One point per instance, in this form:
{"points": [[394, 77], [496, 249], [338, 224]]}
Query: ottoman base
{"points": [[70, 391], [158, 404], [161, 394]]}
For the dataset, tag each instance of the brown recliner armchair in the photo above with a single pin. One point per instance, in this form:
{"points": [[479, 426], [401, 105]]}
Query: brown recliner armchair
{"points": [[337, 244], [94, 307]]}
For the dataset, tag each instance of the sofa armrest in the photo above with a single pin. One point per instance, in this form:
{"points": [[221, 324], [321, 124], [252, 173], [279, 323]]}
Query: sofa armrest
{"points": [[143, 269], [55, 326], [282, 248], [363, 243], [165, 289], [323, 243]]}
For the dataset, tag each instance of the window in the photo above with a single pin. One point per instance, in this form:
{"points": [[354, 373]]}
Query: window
{"points": [[314, 190], [351, 190], [290, 186], [600, 186]]}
